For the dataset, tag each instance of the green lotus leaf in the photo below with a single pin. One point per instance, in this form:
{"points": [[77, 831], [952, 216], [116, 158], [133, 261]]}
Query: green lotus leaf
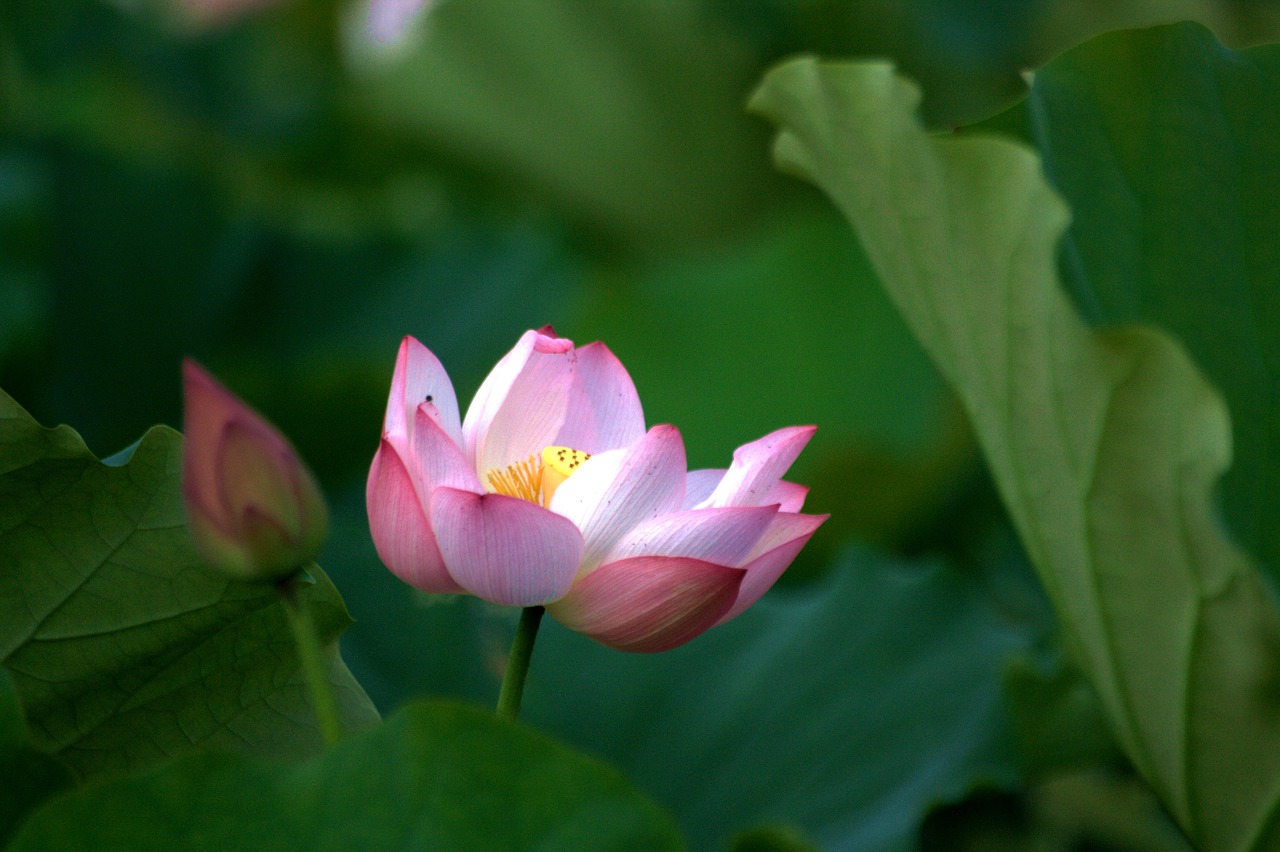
{"points": [[123, 648], [435, 776], [1105, 446]]}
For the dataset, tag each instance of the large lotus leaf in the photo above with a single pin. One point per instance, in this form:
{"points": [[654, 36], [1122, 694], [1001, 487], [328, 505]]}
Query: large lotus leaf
{"points": [[435, 776], [28, 776], [1105, 446], [1167, 147], [123, 648], [846, 708]]}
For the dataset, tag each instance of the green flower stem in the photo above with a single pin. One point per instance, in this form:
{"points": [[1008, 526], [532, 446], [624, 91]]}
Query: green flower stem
{"points": [[304, 636], [518, 663]]}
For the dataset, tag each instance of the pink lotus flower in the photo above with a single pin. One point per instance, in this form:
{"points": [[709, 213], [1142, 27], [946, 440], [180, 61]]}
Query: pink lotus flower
{"points": [[253, 508], [551, 492]]}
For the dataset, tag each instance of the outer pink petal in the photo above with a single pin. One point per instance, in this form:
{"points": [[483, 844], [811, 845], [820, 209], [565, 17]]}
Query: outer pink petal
{"points": [[420, 378], [207, 408], [772, 555], [649, 603], [503, 549], [435, 460], [604, 410], [615, 491], [521, 405], [255, 467], [401, 532], [757, 467], [722, 536], [789, 496]]}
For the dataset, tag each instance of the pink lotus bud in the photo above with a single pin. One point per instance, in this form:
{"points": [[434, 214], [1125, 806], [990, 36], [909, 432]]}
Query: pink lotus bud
{"points": [[254, 509]]}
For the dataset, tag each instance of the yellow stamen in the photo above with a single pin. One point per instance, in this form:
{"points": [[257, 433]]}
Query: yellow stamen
{"points": [[522, 479], [536, 478]]}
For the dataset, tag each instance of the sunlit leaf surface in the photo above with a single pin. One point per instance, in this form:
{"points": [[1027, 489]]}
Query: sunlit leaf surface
{"points": [[1106, 447]]}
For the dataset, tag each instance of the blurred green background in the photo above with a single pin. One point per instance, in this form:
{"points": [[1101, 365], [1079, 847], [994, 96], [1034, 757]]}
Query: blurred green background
{"points": [[270, 194]]}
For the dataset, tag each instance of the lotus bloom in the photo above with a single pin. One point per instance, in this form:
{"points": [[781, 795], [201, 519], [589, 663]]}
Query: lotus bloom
{"points": [[550, 492], [254, 509]]}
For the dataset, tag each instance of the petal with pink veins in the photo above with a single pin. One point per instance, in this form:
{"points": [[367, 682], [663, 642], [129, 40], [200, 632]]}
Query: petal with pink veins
{"points": [[613, 492], [435, 460], [789, 496], [503, 549], [401, 532], [723, 536], [699, 484], [604, 410], [772, 555], [521, 404], [757, 468], [420, 378], [649, 603]]}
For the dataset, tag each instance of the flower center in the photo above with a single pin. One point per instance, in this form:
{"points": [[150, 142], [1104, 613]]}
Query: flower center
{"points": [[536, 478]]}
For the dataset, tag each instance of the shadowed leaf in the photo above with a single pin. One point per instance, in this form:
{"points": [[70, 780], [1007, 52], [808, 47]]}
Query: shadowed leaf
{"points": [[123, 648]]}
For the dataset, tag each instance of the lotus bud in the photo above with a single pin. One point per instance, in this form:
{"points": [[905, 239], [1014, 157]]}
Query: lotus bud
{"points": [[254, 509]]}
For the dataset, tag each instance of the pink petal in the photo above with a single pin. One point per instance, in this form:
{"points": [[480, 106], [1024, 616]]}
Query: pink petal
{"points": [[604, 409], [401, 533], [207, 408], [615, 491], [420, 379], [649, 603], [503, 549], [699, 484], [521, 405], [789, 496], [772, 555], [434, 460], [722, 536], [757, 468], [256, 468]]}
